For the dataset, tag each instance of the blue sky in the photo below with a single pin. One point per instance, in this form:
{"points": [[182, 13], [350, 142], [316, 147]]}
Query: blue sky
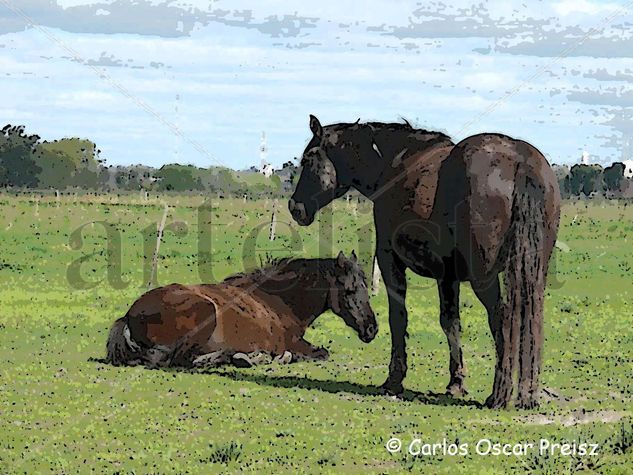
{"points": [[155, 82]]}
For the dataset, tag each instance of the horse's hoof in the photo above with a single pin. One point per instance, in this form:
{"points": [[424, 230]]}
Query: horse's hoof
{"points": [[456, 390], [241, 360], [389, 388], [285, 358], [495, 402]]}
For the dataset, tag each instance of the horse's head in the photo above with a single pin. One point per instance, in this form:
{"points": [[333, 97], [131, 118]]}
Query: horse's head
{"points": [[349, 297], [327, 169]]}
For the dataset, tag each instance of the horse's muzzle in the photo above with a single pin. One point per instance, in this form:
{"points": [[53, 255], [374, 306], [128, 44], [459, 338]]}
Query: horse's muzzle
{"points": [[299, 213], [370, 333]]}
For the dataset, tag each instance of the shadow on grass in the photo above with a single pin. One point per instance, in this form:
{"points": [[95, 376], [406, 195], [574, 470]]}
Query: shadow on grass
{"points": [[334, 387], [328, 386]]}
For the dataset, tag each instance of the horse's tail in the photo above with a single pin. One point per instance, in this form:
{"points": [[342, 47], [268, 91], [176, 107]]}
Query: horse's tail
{"points": [[524, 282], [120, 348]]}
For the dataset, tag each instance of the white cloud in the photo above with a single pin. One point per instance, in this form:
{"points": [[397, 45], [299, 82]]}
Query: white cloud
{"points": [[88, 99], [235, 81], [584, 7]]}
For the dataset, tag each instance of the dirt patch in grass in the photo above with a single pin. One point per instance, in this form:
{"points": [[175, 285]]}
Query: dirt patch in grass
{"points": [[574, 418]]}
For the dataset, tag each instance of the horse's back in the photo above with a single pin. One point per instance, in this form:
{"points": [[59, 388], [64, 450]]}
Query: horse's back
{"points": [[250, 319], [165, 315], [497, 166]]}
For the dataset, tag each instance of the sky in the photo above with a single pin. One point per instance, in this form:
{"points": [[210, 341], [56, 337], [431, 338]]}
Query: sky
{"points": [[158, 82]]}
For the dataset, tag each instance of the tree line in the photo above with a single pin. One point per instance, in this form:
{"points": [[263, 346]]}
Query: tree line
{"points": [[27, 161], [582, 180]]}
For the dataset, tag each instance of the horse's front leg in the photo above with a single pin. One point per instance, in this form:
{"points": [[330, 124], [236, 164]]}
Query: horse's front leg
{"points": [[394, 277], [449, 320]]}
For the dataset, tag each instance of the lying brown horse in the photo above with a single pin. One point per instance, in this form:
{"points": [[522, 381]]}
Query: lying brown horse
{"points": [[471, 211], [245, 316]]}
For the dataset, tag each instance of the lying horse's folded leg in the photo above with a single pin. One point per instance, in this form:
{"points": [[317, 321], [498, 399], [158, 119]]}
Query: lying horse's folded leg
{"points": [[285, 358], [304, 351], [246, 360], [213, 359], [184, 353]]}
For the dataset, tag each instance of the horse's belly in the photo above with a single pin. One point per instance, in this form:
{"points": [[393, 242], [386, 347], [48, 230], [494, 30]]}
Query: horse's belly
{"points": [[419, 254]]}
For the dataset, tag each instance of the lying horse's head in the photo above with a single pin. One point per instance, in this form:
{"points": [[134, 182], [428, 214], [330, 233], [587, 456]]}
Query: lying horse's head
{"points": [[349, 298]]}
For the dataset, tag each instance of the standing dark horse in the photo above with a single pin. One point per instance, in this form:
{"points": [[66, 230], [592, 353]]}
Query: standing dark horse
{"points": [[464, 212], [245, 316]]}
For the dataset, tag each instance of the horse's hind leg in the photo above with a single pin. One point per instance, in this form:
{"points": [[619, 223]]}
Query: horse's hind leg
{"points": [[531, 342], [449, 319], [157, 357], [489, 293]]}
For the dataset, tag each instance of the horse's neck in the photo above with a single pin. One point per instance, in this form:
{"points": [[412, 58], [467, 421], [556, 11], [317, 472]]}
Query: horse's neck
{"points": [[304, 295]]}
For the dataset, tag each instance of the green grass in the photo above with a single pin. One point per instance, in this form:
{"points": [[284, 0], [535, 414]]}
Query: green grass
{"points": [[62, 411]]}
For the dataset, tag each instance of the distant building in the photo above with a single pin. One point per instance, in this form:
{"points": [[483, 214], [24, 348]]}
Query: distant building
{"points": [[266, 169], [628, 168], [585, 158]]}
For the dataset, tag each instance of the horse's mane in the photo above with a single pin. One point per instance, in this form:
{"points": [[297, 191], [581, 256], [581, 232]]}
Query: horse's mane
{"points": [[272, 267], [404, 127]]}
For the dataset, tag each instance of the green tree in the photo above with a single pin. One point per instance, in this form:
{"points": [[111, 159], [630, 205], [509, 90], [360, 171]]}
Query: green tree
{"points": [[176, 177], [56, 169], [69, 162], [82, 152], [562, 175], [18, 166], [613, 176], [585, 179], [135, 177], [226, 181]]}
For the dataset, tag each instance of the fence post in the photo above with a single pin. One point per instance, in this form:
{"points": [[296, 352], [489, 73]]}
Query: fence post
{"points": [[273, 222], [159, 237]]}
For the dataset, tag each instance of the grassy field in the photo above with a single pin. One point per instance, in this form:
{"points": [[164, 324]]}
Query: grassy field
{"points": [[62, 411]]}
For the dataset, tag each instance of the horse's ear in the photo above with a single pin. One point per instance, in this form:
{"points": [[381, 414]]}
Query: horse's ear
{"points": [[353, 257], [315, 126], [340, 259]]}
